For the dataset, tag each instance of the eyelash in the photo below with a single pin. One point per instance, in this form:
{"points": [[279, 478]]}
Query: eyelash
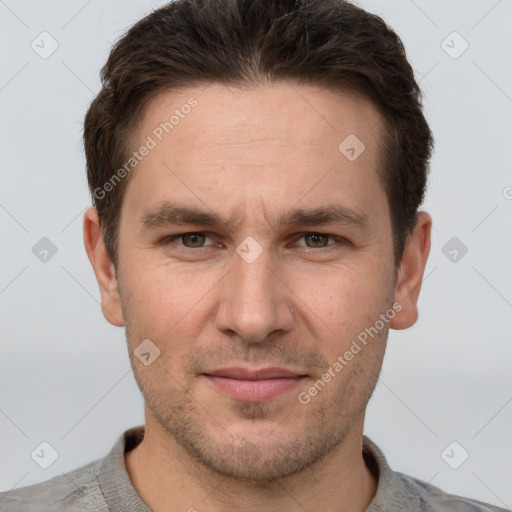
{"points": [[170, 239]]}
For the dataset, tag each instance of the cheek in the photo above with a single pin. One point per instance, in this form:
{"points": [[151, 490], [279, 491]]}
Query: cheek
{"points": [[167, 304], [342, 303]]}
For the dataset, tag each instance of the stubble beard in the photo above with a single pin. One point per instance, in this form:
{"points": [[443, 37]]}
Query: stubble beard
{"points": [[263, 460]]}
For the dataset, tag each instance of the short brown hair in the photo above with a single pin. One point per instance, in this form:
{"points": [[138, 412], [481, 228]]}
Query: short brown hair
{"points": [[331, 43]]}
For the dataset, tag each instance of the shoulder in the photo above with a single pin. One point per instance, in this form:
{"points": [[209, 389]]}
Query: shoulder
{"points": [[77, 490], [433, 499], [404, 493]]}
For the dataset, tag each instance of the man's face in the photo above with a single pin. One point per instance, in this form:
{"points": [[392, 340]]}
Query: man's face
{"points": [[295, 295]]}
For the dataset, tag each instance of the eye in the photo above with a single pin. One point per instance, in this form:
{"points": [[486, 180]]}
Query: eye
{"points": [[192, 240], [197, 240], [317, 240]]}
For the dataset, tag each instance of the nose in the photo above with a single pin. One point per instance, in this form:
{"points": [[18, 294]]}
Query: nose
{"points": [[255, 300]]}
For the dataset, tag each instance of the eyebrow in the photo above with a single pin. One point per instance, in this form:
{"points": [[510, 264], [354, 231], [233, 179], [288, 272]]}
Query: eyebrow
{"points": [[174, 214]]}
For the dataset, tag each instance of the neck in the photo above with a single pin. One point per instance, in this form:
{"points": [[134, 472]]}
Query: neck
{"points": [[167, 478]]}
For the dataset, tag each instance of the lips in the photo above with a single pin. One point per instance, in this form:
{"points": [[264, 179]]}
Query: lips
{"points": [[246, 374], [250, 385]]}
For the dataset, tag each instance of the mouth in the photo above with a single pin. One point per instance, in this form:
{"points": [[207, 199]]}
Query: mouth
{"points": [[254, 385]]}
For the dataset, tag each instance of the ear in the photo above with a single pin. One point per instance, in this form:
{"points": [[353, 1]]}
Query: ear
{"points": [[410, 274], [103, 268]]}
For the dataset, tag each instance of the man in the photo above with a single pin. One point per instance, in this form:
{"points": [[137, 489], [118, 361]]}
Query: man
{"points": [[256, 171]]}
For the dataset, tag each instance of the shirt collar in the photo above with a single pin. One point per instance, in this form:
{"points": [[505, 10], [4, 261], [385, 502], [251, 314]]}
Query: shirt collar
{"points": [[392, 494]]}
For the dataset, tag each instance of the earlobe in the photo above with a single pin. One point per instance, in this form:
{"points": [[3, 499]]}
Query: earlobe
{"points": [[410, 274], [103, 268]]}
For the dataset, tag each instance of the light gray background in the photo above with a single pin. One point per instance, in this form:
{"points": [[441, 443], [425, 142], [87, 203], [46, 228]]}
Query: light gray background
{"points": [[65, 374]]}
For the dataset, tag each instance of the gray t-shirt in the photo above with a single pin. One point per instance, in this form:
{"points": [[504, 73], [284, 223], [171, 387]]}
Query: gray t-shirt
{"points": [[104, 485]]}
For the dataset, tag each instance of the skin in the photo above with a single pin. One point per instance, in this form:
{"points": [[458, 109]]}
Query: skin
{"points": [[252, 154]]}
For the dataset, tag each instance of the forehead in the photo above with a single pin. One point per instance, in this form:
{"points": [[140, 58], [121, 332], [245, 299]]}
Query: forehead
{"points": [[260, 147], [297, 113]]}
